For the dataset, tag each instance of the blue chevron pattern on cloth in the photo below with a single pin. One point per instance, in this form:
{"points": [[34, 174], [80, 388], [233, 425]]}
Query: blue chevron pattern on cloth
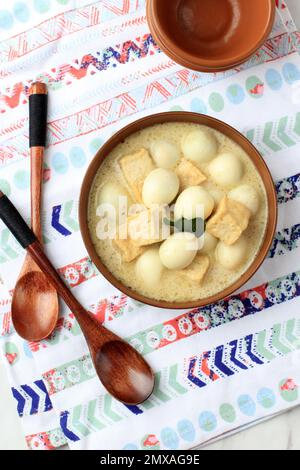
{"points": [[288, 189], [234, 355], [64, 426], [221, 360], [244, 353], [134, 409], [250, 348], [32, 398], [191, 375], [56, 222]]}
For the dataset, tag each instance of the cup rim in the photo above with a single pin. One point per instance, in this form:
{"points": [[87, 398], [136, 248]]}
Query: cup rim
{"points": [[200, 64], [179, 116]]}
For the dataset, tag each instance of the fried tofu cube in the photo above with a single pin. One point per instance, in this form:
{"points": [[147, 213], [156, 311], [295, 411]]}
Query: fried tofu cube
{"points": [[229, 222], [189, 174], [197, 270], [136, 167], [147, 227], [128, 249]]}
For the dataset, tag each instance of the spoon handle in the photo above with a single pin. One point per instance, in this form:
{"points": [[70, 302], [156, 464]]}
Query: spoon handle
{"points": [[37, 140], [95, 334]]}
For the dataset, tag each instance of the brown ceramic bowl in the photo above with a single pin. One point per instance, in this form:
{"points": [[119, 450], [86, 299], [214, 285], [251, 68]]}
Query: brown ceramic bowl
{"points": [[178, 117], [210, 35]]}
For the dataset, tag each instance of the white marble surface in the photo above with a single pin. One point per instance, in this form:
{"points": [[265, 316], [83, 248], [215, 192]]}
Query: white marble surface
{"points": [[282, 432]]}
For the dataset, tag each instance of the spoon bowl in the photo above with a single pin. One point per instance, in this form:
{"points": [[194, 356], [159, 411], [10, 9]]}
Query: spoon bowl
{"points": [[131, 385], [34, 307]]}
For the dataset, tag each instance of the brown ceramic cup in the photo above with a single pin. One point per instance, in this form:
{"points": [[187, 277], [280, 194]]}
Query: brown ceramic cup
{"points": [[220, 126], [210, 35]]}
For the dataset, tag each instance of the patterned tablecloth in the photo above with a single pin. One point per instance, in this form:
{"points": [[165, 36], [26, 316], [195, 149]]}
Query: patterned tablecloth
{"points": [[217, 368]]}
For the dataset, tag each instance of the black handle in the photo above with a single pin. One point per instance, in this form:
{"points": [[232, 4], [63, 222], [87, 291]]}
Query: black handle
{"points": [[15, 222], [38, 115]]}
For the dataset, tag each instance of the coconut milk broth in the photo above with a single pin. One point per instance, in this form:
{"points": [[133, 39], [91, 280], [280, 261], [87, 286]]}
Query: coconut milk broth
{"points": [[174, 287]]}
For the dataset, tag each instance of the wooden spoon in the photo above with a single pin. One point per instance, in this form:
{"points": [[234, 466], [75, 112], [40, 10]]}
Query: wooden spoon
{"points": [[121, 369], [35, 306]]}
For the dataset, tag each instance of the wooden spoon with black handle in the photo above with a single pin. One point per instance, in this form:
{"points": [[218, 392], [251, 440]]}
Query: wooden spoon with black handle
{"points": [[121, 369], [35, 307]]}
